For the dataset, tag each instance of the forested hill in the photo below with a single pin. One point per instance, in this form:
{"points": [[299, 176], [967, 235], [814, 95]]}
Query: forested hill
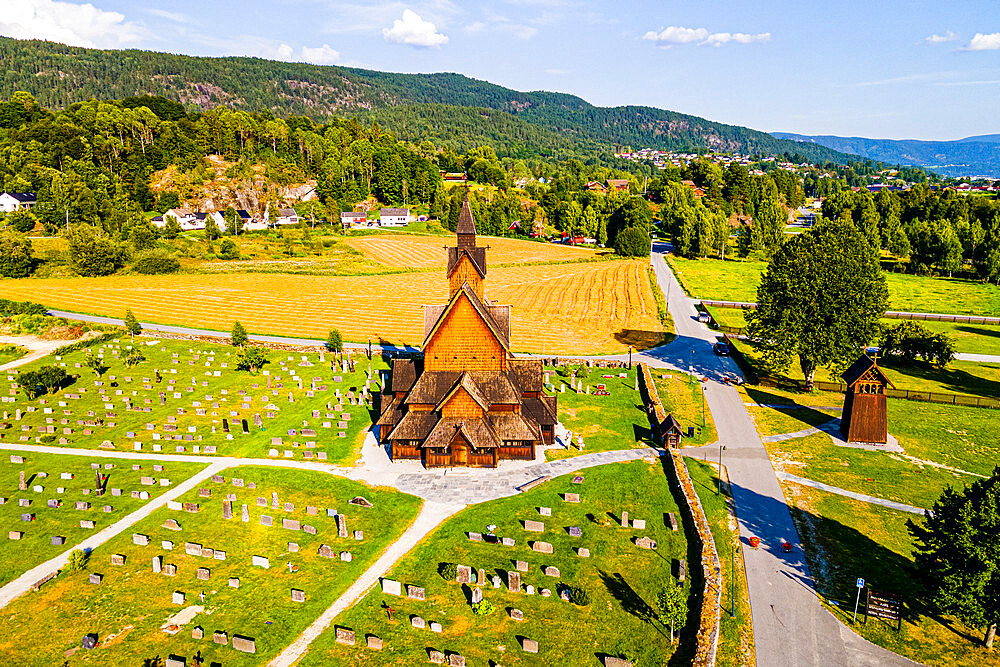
{"points": [[59, 75], [972, 156]]}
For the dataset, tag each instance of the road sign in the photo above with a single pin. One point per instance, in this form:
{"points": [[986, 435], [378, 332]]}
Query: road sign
{"points": [[861, 583]]}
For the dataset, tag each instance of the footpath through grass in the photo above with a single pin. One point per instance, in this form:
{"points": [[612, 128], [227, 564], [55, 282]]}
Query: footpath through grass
{"points": [[200, 388], [132, 602], [46, 471], [845, 539], [733, 280], [621, 579]]}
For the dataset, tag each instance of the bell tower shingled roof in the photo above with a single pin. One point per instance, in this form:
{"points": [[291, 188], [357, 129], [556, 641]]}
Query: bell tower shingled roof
{"points": [[466, 229]]}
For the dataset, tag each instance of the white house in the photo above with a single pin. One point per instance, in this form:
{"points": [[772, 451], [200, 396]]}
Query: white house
{"points": [[354, 220], [15, 201], [286, 216], [394, 217]]}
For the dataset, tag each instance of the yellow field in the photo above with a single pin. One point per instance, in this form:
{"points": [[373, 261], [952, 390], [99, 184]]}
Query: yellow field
{"points": [[418, 252], [584, 308]]}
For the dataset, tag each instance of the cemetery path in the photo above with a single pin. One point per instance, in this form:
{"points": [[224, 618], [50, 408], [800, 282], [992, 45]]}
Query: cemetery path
{"points": [[38, 349], [431, 515], [891, 504], [22, 584], [790, 625]]}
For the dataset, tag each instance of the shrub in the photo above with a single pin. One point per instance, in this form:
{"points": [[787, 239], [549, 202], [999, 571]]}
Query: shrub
{"points": [[334, 341], [15, 255], [81, 344], [22, 221], [633, 242], [448, 571], [134, 358], [238, 336], [910, 341], [251, 359], [578, 595], [171, 229], [8, 307], [94, 253], [228, 250], [156, 263], [77, 560], [484, 608]]}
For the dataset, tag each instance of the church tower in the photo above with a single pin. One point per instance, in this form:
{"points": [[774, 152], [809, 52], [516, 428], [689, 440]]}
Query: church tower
{"points": [[467, 261]]}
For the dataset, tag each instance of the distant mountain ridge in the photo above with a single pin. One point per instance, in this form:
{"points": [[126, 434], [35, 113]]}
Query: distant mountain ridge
{"points": [[972, 156], [59, 75]]}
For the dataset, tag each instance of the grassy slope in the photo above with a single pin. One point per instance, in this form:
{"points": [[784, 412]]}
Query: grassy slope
{"points": [[35, 546], [41, 625], [160, 356], [621, 579]]}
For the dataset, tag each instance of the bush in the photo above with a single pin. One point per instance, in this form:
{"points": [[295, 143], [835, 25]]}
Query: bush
{"points": [[171, 229], [334, 341], [238, 336], [228, 250], [15, 255], [910, 341], [134, 358], [633, 242], [156, 263], [94, 253], [8, 307], [448, 571], [251, 359], [484, 608], [22, 221], [81, 344], [77, 560], [578, 596]]}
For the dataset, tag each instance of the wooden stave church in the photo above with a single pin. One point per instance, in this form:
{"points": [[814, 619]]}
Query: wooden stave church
{"points": [[467, 401]]}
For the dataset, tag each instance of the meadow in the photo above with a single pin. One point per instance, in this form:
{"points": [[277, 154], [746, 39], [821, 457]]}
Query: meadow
{"points": [[582, 308], [130, 608], [622, 581], [424, 252], [201, 388], [737, 281], [35, 545]]}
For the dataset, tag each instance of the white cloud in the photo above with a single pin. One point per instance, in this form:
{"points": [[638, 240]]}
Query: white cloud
{"points": [[415, 31], [948, 36], [70, 23], [673, 35], [321, 55], [176, 17], [981, 42], [474, 27]]}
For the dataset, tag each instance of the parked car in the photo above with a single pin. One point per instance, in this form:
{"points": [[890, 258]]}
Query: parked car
{"points": [[721, 349]]}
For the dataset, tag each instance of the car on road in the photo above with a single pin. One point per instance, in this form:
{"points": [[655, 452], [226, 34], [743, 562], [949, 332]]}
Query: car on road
{"points": [[721, 349]]}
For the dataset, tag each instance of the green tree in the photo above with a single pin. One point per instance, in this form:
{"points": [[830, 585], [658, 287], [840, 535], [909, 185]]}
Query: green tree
{"points": [[821, 298], [334, 341], [251, 358], [957, 554], [910, 341], [172, 228], [15, 254], [93, 253], [77, 560], [21, 220], [228, 250], [132, 325], [671, 607], [167, 201], [95, 364], [134, 358], [633, 242], [238, 336]]}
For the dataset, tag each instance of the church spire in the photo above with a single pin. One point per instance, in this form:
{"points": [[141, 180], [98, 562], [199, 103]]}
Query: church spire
{"points": [[466, 229]]}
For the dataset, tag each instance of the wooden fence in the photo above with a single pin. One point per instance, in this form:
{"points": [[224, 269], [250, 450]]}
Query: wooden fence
{"points": [[890, 314]]}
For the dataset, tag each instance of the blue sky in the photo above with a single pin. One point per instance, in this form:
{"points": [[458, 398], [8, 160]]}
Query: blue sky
{"points": [[923, 70]]}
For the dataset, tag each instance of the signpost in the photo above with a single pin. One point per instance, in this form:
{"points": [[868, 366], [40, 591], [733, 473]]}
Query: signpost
{"points": [[885, 606], [861, 584]]}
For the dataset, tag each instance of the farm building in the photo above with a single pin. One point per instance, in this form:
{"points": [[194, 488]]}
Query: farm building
{"points": [[394, 217], [467, 401]]}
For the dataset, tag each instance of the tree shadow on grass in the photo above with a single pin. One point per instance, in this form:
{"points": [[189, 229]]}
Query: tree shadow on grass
{"points": [[627, 597], [991, 332], [808, 416]]}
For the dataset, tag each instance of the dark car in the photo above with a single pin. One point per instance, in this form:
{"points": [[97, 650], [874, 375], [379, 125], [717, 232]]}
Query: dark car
{"points": [[721, 349]]}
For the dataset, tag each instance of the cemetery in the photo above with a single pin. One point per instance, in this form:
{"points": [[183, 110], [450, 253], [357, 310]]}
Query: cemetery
{"points": [[188, 397], [231, 572], [526, 555], [68, 498]]}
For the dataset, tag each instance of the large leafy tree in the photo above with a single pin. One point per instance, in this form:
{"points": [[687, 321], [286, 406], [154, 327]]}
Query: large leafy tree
{"points": [[94, 253], [15, 254], [821, 299], [957, 554]]}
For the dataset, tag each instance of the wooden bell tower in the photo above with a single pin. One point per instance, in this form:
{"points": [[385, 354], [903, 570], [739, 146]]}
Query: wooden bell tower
{"points": [[865, 417]]}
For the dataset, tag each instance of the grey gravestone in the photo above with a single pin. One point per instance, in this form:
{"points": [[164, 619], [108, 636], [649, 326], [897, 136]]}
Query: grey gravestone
{"points": [[639, 524], [178, 597], [464, 575], [157, 564], [418, 622], [477, 595], [583, 552], [244, 644], [416, 593], [624, 519], [391, 587], [220, 638], [517, 614], [341, 525], [514, 581], [551, 571], [541, 547], [529, 645], [246, 514], [345, 636], [203, 573], [95, 578], [298, 596], [170, 570], [545, 511], [534, 526], [234, 582], [227, 509], [265, 520], [374, 643], [574, 531]]}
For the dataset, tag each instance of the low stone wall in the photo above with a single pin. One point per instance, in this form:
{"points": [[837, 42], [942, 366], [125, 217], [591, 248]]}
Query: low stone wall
{"points": [[707, 639]]}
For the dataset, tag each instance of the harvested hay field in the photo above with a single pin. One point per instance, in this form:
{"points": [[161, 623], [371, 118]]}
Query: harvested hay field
{"points": [[585, 308], [420, 252]]}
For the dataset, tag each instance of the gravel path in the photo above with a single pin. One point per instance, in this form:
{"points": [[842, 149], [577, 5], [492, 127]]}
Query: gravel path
{"points": [[39, 348]]}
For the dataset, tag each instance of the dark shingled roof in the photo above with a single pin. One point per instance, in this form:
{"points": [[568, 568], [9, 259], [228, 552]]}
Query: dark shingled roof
{"points": [[862, 366], [392, 413], [405, 372], [466, 224], [479, 433], [539, 411], [512, 426], [493, 386], [414, 426], [496, 387], [671, 424], [431, 387], [465, 382], [526, 374]]}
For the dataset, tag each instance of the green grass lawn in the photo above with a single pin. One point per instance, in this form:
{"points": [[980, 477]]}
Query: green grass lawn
{"points": [[845, 539], [685, 401], [737, 281], [129, 606], [190, 383], [954, 436], [11, 352], [35, 545], [621, 579], [736, 640]]}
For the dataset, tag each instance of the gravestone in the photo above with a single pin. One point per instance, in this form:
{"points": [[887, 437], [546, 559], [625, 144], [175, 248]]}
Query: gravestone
{"points": [[475, 537], [481, 577], [261, 561], [234, 582], [416, 593], [545, 511], [170, 570], [178, 597], [197, 632], [341, 525], [514, 581], [551, 571], [266, 520], [571, 497], [639, 524], [298, 596], [583, 552], [496, 581], [575, 531], [203, 573], [534, 526], [391, 587], [57, 540], [477, 595], [326, 552], [464, 575], [140, 540], [624, 519], [374, 643], [246, 514], [244, 644], [290, 524], [517, 614], [220, 638], [529, 645], [95, 578], [117, 559], [507, 541], [345, 636], [645, 543], [541, 547], [436, 657], [672, 520], [157, 564], [293, 547], [418, 622]]}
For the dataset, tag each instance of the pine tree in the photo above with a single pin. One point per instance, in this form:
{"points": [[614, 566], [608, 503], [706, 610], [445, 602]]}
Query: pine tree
{"points": [[132, 325], [238, 335]]}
